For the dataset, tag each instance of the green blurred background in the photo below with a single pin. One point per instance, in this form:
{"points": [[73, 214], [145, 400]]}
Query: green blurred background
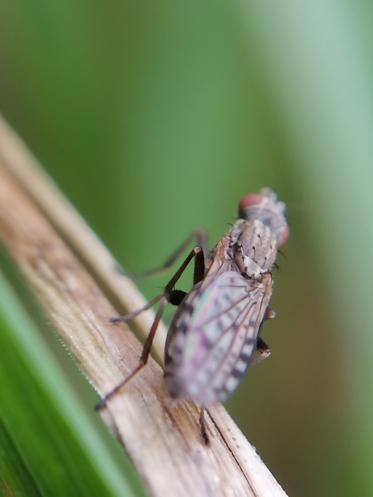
{"points": [[155, 117]]}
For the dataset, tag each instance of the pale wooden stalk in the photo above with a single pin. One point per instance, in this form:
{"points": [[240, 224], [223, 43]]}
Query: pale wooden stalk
{"points": [[73, 276]]}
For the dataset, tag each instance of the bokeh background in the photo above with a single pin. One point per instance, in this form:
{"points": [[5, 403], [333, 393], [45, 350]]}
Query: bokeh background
{"points": [[155, 117]]}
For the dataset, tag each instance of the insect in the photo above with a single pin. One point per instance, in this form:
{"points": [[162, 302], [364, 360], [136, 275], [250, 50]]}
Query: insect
{"points": [[214, 334]]}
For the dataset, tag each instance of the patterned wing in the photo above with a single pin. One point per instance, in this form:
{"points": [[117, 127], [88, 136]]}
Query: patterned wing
{"points": [[212, 337]]}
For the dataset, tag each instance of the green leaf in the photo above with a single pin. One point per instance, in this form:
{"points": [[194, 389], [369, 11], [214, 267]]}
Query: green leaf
{"points": [[49, 445]]}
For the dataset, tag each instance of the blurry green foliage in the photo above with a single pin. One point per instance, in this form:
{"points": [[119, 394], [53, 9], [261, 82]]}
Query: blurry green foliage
{"points": [[48, 443]]}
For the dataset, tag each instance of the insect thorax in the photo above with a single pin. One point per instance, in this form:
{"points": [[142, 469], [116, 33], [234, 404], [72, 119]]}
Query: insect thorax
{"points": [[253, 246]]}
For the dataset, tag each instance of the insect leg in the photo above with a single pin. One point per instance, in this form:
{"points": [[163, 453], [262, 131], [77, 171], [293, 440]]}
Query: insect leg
{"points": [[202, 424], [262, 351], [269, 314], [201, 238], [176, 297], [128, 317], [171, 295], [199, 269], [164, 298], [143, 358]]}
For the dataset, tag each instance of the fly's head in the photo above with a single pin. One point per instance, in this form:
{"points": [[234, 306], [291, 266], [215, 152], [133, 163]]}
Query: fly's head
{"points": [[258, 233], [265, 208]]}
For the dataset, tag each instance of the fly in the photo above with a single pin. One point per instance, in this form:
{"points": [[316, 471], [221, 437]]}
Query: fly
{"points": [[214, 334]]}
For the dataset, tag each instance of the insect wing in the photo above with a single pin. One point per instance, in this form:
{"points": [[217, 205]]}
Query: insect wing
{"points": [[212, 337]]}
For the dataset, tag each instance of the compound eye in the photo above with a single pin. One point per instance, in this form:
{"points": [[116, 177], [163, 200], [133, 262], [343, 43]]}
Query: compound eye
{"points": [[249, 200]]}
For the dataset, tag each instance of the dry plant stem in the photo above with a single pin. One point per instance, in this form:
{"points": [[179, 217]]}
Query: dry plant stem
{"points": [[76, 233], [162, 438]]}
